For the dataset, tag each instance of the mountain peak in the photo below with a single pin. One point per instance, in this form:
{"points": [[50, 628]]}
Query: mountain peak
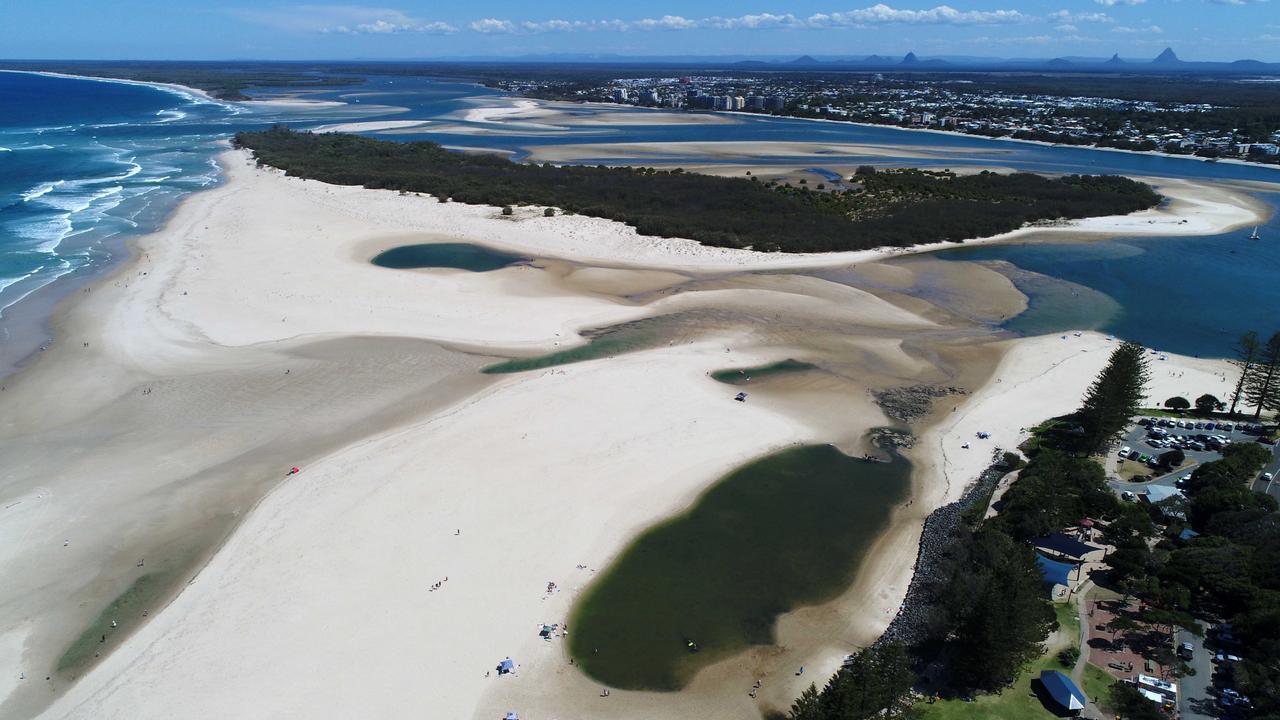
{"points": [[1115, 60], [910, 59], [1167, 57], [804, 60]]}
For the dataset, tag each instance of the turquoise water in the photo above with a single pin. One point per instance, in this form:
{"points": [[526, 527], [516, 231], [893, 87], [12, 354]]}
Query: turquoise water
{"points": [[457, 256], [1192, 295], [84, 164]]}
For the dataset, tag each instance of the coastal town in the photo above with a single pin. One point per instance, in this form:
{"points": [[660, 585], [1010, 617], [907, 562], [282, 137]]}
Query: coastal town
{"points": [[941, 102]]}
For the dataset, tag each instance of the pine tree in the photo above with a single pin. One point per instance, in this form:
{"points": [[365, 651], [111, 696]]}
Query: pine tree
{"points": [[1116, 395], [807, 706], [1246, 350], [1262, 389]]}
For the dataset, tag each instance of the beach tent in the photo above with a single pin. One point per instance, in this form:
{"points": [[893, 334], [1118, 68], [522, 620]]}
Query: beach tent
{"points": [[1064, 545], [511, 716], [1062, 690], [506, 666], [1054, 572]]}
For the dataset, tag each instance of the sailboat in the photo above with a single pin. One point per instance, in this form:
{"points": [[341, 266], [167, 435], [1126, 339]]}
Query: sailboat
{"points": [[1255, 235]]}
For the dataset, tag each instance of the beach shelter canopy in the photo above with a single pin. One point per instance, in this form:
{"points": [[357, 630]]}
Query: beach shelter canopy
{"points": [[1188, 534], [1064, 545], [506, 666], [1062, 690], [511, 716], [1054, 572]]}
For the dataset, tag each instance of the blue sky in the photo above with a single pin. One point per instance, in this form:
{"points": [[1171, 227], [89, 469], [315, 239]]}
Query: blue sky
{"points": [[270, 29]]}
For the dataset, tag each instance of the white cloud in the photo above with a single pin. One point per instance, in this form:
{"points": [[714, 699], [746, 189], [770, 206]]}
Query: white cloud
{"points": [[1113, 3], [387, 27], [1067, 28], [346, 19], [493, 25], [754, 22], [1066, 16], [666, 22], [879, 14], [882, 14], [1153, 29]]}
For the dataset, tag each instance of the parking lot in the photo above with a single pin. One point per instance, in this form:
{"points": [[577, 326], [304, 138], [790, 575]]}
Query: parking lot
{"points": [[1199, 445], [1199, 440]]}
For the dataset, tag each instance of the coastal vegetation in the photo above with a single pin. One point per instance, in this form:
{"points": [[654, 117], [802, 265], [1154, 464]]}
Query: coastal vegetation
{"points": [[784, 531], [896, 208], [1259, 383], [988, 612], [1211, 557]]}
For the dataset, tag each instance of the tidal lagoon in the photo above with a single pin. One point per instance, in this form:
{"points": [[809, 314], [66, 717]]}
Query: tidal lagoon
{"points": [[782, 532]]}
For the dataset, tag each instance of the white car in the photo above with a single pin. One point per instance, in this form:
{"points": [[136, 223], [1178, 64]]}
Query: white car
{"points": [[1268, 477], [1128, 496], [1125, 450]]}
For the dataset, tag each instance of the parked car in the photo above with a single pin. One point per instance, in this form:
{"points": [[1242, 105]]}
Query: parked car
{"points": [[1268, 476], [1128, 496], [1186, 651], [1124, 451]]}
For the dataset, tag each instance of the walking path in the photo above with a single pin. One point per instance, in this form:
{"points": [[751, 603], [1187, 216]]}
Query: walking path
{"points": [[1077, 673]]}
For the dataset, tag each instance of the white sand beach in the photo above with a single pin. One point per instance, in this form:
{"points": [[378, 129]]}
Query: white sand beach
{"points": [[370, 126], [252, 335]]}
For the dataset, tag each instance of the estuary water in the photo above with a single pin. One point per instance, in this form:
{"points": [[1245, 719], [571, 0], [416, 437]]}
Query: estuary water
{"points": [[85, 164]]}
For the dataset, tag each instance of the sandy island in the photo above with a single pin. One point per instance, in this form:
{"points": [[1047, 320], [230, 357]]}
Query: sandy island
{"points": [[251, 335]]}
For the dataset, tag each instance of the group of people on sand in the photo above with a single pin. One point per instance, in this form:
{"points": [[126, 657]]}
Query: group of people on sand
{"points": [[440, 584]]}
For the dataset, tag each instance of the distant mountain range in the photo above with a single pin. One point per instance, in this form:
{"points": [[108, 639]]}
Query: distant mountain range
{"points": [[1165, 62]]}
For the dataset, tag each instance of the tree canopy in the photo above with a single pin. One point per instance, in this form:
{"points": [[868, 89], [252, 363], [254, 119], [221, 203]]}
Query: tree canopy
{"points": [[1115, 396], [887, 208]]}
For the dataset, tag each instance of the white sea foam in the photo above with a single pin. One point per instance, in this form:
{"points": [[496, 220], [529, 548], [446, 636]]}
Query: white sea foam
{"points": [[40, 190], [5, 149]]}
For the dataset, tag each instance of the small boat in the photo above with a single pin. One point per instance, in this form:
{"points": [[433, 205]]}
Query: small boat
{"points": [[1255, 235]]}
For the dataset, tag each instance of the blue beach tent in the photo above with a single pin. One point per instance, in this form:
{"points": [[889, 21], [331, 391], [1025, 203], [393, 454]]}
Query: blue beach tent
{"points": [[1062, 690], [1054, 572], [506, 666]]}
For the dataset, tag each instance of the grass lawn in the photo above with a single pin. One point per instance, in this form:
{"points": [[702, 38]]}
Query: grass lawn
{"points": [[1096, 684], [1019, 702], [1015, 703]]}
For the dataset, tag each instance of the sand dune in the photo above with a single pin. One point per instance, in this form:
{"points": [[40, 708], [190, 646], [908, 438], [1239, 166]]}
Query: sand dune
{"points": [[252, 334]]}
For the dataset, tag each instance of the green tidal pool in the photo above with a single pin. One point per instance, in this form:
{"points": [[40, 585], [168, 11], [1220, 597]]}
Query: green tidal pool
{"points": [[782, 532], [742, 376]]}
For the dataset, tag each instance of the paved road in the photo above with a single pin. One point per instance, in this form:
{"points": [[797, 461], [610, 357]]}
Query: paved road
{"points": [[1136, 439], [1271, 487], [1194, 700]]}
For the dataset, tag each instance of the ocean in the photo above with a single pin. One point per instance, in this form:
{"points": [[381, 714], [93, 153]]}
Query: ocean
{"points": [[83, 163], [86, 164]]}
